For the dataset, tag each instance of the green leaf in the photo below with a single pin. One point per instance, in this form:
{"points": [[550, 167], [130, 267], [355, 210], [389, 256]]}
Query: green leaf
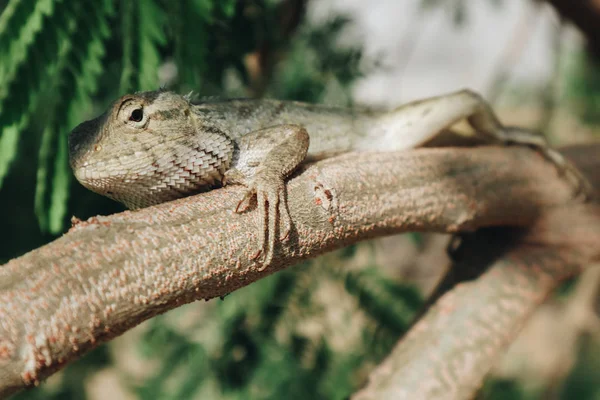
{"points": [[151, 28], [227, 7], [143, 35], [46, 146], [189, 19], [391, 304], [21, 24], [60, 187], [8, 144], [76, 81]]}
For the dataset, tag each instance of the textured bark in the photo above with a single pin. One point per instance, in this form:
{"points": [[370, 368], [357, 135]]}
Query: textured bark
{"points": [[108, 274], [448, 353], [451, 349]]}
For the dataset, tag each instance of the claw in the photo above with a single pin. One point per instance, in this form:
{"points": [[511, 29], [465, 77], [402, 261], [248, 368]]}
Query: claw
{"points": [[256, 255], [246, 199], [286, 234]]}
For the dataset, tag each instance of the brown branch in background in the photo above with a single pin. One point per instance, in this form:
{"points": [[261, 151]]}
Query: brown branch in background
{"points": [[109, 274], [585, 14]]}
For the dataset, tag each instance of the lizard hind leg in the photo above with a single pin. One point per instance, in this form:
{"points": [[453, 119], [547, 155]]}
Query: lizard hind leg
{"points": [[520, 136], [264, 159], [427, 119], [485, 123]]}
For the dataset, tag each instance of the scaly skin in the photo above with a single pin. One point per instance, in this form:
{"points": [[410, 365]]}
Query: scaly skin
{"points": [[153, 147]]}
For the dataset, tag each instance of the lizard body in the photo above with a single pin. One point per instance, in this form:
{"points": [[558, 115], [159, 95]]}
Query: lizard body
{"points": [[153, 147]]}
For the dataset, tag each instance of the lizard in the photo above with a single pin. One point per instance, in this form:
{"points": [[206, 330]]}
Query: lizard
{"points": [[156, 146]]}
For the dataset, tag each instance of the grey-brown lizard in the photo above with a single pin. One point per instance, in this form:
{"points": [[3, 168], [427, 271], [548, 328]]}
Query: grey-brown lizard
{"points": [[152, 147]]}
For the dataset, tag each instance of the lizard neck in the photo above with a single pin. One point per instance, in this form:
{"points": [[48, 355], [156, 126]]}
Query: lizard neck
{"points": [[196, 164], [215, 149], [214, 146]]}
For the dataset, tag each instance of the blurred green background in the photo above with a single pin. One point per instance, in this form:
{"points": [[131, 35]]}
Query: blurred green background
{"points": [[316, 330]]}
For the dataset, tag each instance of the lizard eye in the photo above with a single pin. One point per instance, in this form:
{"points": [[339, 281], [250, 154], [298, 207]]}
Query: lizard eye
{"points": [[136, 115]]}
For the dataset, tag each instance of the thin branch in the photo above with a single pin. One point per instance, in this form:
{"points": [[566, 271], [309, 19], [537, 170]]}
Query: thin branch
{"points": [[108, 274]]}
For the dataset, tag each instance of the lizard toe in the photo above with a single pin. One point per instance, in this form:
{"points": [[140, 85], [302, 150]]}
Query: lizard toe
{"points": [[272, 208], [246, 200], [581, 186], [284, 213]]}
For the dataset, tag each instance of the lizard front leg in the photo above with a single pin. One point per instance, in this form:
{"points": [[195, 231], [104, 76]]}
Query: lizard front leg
{"points": [[262, 161]]}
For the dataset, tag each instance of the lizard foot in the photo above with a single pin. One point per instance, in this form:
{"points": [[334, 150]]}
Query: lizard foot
{"points": [[582, 187], [269, 191]]}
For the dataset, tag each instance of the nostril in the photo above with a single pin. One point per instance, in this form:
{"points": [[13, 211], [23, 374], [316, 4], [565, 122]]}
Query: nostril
{"points": [[84, 139]]}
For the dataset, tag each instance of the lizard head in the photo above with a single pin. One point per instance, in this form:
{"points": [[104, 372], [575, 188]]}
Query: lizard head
{"points": [[130, 152]]}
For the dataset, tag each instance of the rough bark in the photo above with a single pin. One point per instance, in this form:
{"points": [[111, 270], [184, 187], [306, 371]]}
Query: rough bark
{"points": [[451, 349], [108, 274], [449, 352]]}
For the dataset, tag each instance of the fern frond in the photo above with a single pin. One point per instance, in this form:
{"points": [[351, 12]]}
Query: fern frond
{"points": [[151, 29], [21, 26], [189, 20], [143, 36], [390, 304], [76, 81]]}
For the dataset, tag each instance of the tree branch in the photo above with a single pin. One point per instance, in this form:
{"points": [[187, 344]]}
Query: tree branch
{"points": [[449, 352], [108, 274], [451, 349]]}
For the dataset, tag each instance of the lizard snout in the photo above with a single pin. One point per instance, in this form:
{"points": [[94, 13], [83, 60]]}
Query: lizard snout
{"points": [[83, 140]]}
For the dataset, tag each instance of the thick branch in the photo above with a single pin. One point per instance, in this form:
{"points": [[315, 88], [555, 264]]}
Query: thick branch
{"points": [[450, 351], [110, 273]]}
